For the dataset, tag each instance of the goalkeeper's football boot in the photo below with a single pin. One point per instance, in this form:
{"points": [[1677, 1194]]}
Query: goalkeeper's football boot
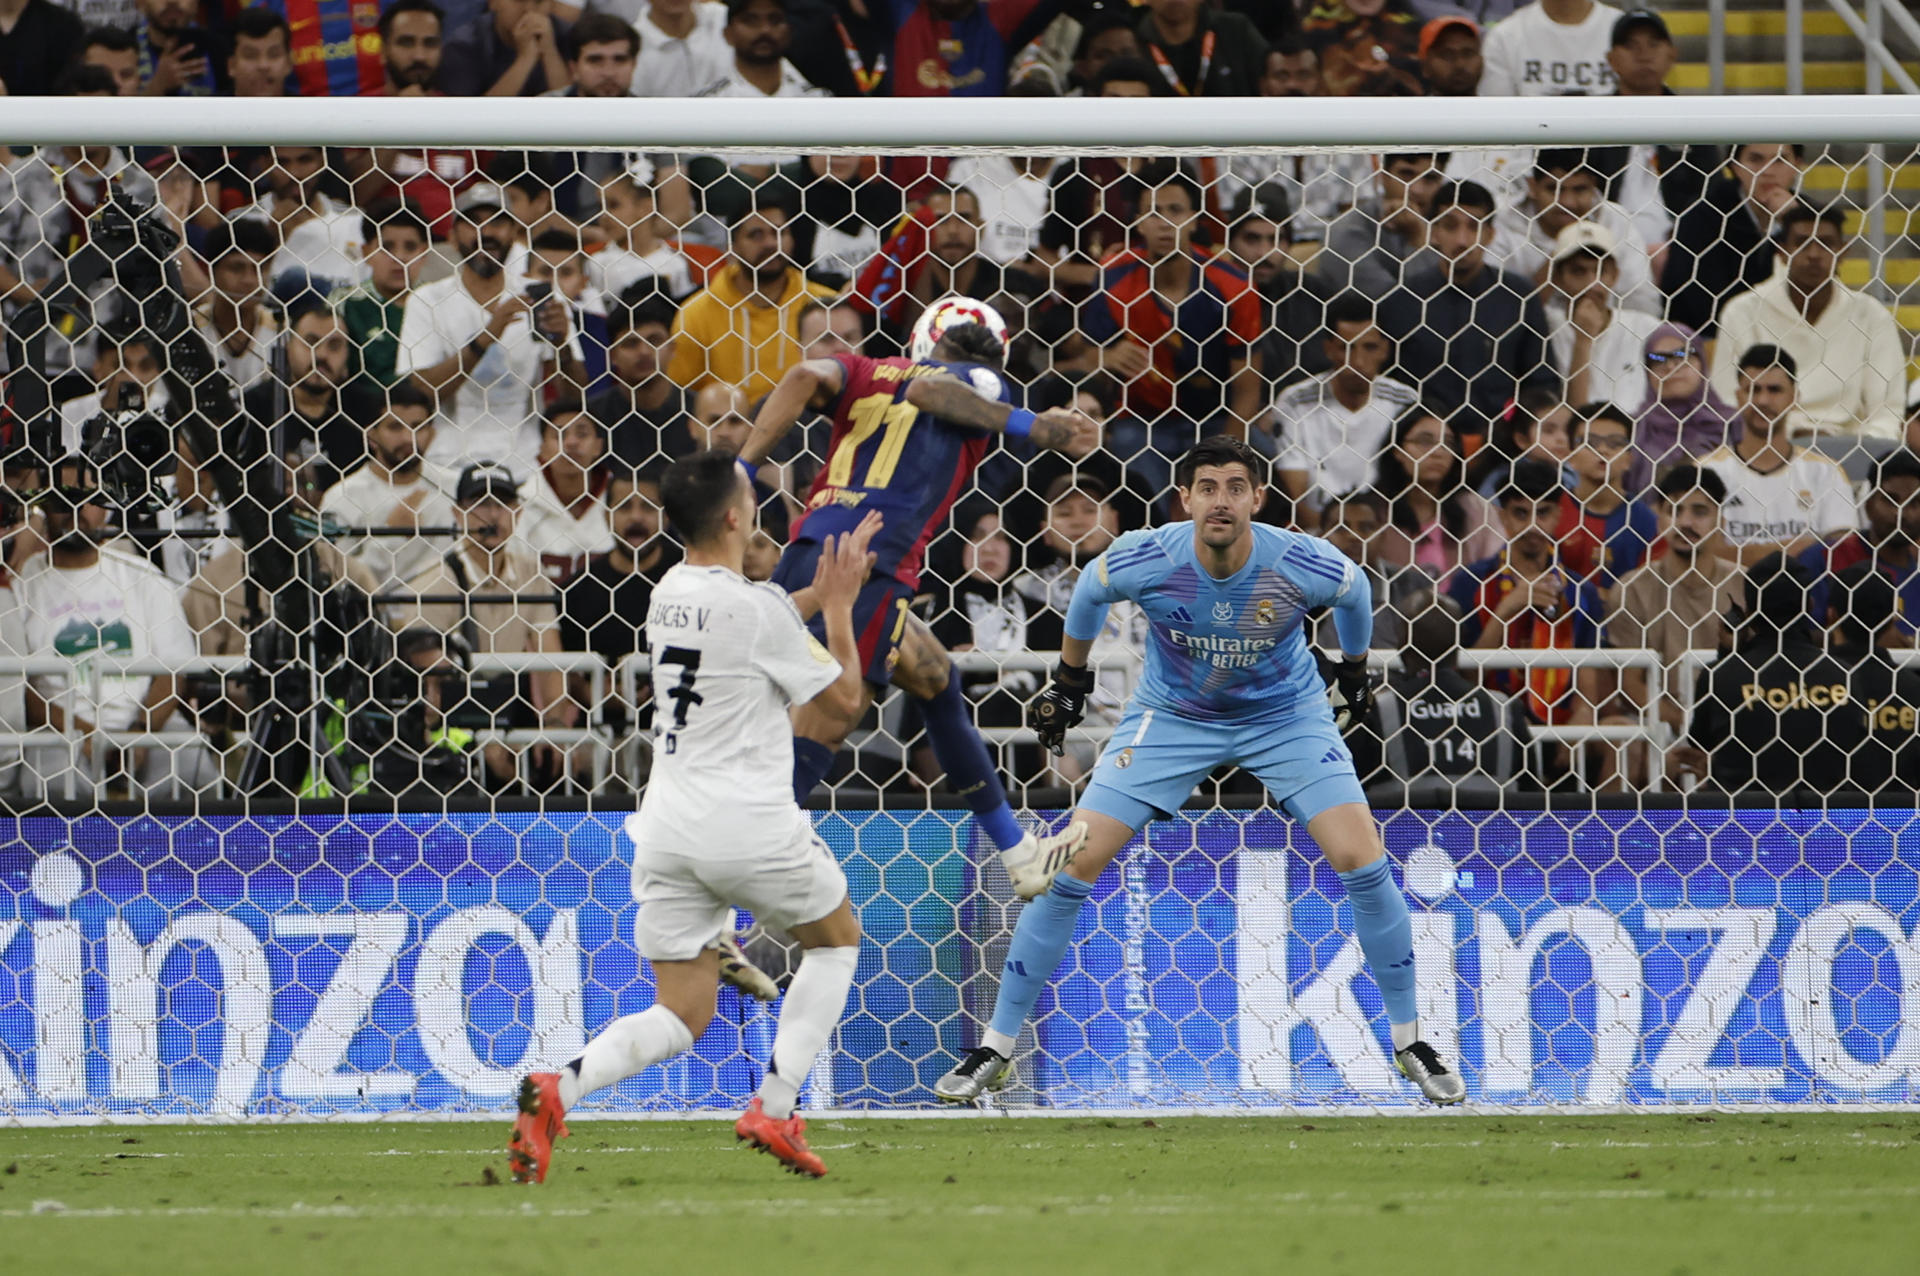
{"points": [[1032, 864], [1420, 1065], [982, 1070], [735, 969], [786, 1140], [540, 1123]]}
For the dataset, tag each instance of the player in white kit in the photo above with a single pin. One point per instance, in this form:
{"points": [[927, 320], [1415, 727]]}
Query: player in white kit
{"points": [[718, 827]]}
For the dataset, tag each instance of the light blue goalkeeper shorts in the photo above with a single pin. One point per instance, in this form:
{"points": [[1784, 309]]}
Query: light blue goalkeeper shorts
{"points": [[1156, 757]]}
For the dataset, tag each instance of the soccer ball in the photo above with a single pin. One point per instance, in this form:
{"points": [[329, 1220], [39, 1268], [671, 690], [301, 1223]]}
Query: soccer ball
{"points": [[951, 312]]}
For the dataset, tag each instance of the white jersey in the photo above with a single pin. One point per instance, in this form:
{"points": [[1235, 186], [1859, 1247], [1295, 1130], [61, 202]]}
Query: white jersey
{"points": [[729, 658], [1809, 494]]}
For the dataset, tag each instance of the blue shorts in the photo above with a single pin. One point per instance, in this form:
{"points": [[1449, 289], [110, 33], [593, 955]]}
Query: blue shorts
{"points": [[1155, 758], [879, 613]]}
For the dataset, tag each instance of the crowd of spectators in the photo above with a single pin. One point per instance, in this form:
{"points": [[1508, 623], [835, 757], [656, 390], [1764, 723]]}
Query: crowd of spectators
{"points": [[1554, 399]]}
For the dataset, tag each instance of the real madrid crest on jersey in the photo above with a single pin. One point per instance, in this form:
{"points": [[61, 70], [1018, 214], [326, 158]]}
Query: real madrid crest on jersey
{"points": [[1263, 612], [1124, 761], [1223, 612]]}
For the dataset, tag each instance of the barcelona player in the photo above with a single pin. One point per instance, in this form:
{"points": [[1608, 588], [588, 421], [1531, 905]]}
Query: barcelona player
{"points": [[1229, 679], [907, 436]]}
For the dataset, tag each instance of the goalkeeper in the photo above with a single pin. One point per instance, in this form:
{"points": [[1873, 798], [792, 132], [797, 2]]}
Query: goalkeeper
{"points": [[1229, 679]]}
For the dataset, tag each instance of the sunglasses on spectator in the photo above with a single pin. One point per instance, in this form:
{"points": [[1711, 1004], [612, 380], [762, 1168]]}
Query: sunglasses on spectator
{"points": [[1658, 357]]}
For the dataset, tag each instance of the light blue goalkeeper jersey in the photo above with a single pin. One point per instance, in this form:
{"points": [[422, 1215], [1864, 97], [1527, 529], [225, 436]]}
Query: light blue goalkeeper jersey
{"points": [[1227, 649]]}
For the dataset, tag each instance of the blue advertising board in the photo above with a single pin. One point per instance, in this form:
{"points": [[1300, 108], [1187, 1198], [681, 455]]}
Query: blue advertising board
{"points": [[280, 965]]}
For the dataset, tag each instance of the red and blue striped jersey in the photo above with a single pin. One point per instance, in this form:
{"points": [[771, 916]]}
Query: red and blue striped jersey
{"points": [[335, 45], [889, 456]]}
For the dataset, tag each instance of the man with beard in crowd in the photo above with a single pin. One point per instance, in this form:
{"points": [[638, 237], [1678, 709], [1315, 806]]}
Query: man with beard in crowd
{"points": [[396, 488], [410, 36], [300, 406], [317, 234], [177, 57], [603, 609], [470, 337]]}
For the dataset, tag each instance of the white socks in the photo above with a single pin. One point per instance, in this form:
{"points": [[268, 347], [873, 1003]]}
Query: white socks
{"points": [[626, 1047], [1405, 1034], [998, 1042], [813, 1006]]}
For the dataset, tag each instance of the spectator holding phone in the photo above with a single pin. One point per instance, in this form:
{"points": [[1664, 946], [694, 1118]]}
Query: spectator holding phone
{"points": [[177, 58]]}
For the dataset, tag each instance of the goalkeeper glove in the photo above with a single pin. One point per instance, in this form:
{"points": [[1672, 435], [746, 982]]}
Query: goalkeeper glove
{"points": [[1355, 685], [1060, 707]]}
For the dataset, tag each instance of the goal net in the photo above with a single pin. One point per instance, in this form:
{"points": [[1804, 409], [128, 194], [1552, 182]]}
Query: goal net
{"points": [[331, 517]]}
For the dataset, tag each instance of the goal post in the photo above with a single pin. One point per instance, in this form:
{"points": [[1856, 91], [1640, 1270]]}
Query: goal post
{"points": [[323, 688]]}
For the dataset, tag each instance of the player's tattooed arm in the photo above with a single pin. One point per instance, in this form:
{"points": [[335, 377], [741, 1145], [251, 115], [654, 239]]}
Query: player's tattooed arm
{"points": [[811, 383], [954, 401]]}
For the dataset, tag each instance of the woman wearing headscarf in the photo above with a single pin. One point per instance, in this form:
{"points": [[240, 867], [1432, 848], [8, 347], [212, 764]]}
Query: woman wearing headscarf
{"points": [[1682, 418]]}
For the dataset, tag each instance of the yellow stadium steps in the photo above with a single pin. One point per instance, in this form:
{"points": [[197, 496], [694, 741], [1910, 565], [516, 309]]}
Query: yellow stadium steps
{"points": [[1831, 179], [1756, 25], [1897, 221], [1771, 77], [1899, 272]]}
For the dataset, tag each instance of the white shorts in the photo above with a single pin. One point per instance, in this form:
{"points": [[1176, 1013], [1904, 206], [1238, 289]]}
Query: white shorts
{"points": [[686, 901]]}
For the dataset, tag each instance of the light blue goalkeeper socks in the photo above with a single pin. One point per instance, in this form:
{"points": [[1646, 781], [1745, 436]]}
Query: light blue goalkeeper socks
{"points": [[1385, 929], [1040, 940]]}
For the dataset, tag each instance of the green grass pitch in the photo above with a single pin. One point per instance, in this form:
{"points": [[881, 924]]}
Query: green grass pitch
{"points": [[1700, 1194]]}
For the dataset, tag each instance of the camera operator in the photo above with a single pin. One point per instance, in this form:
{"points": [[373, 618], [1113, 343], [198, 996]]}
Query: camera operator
{"points": [[124, 355], [301, 400], [409, 743], [81, 601], [497, 584]]}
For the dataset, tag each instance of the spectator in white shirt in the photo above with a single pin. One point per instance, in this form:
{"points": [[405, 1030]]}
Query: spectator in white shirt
{"points": [[1320, 185], [1014, 194], [316, 234], [635, 249], [237, 326], [1601, 344], [759, 34], [471, 338], [1564, 188], [1330, 427], [81, 601], [397, 488], [563, 517], [1550, 48], [1781, 498], [682, 47], [1852, 359]]}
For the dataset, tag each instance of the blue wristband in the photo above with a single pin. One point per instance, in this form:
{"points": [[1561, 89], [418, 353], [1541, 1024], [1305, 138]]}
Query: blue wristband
{"points": [[753, 471], [1020, 423]]}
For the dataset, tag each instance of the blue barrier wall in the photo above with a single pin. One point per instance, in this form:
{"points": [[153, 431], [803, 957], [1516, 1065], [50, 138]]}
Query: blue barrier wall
{"points": [[369, 964]]}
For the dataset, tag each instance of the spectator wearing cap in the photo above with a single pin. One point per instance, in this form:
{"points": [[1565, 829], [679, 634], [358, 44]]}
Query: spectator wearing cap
{"points": [[114, 51], [1888, 541], [234, 318], [1201, 51], [742, 329], [37, 40], [504, 602], [1371, 250], [1683, 600], [683, 47], [1366, 48], [511, 50], [1780, 496], [260, 60], [1653, 183], [1852, 360], [1864, 613], [565, 516], [1681, 417], [471, 338], [1600, 343], [1722, 242], [1450, 56], [1562, 188], [1317, 186], [1329, 428], [1550, 48], [1466, 334]]}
